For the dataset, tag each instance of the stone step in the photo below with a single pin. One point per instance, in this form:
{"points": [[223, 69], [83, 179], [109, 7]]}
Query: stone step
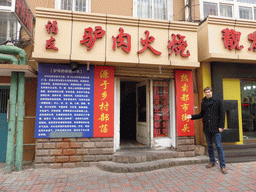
{"points": [[243, 146], [132, 156], [240, 159], [149, 166], [240, 152]]}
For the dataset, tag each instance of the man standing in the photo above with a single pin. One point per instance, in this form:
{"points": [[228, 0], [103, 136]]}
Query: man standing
{"points": [[213, 116]]}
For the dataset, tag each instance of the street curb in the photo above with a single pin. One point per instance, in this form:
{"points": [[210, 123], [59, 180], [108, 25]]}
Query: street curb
{"points": [[150, 166]]}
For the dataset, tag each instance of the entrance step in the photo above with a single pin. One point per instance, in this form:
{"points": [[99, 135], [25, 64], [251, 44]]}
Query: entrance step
{"points": [[239, 153], [152, 165], [139, 156]]}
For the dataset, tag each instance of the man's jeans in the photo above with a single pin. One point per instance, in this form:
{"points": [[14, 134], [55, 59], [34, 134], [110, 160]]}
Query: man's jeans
{"points": [[215, 137]]}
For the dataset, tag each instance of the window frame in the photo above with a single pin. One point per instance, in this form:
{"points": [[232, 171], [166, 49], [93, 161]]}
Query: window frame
{"points": [[16, 28], [169, 10], [235, 10], [88, 5]]}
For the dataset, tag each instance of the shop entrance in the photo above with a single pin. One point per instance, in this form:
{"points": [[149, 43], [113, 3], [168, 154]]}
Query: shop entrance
{"points": [[4, 96], [248, 101], [134, 107]]}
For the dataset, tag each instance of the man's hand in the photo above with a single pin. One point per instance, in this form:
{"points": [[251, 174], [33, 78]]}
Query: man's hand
{"points": [[188, 117], [220, 130]]}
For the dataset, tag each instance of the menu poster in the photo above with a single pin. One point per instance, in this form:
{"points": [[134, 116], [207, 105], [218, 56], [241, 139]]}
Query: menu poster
{"points": [[65, 101]]}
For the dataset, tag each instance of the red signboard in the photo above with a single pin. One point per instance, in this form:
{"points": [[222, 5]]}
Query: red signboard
{"points": [[103, 102], [25, 16], [184, 102]]}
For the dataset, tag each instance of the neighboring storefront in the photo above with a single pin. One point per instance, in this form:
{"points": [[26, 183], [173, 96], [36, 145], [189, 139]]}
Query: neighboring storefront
{"points": [[227, 54], [106, 82]]}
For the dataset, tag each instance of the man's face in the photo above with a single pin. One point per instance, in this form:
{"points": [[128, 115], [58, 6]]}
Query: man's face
{"points": [[208, 94]]}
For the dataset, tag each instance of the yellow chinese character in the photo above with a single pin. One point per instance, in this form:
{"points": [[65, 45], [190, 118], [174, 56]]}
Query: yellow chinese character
{"points": [[104, 95], [184, 77], [185, 97], [104, 117], [185, 106], [105, 107], [104, 84], [185, 128], [103, 128], [184, 87], [104, 74], [183, 117]]}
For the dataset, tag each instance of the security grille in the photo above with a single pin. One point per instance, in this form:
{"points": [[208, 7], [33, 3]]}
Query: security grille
{"points": [[4, 97], [10, 27], [5, 2]]}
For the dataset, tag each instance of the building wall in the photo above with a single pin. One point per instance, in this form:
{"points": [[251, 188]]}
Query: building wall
{"points": [[196, 10], [29, 120], [72, 152], [178, 10], [46, 4], [113, 7]]}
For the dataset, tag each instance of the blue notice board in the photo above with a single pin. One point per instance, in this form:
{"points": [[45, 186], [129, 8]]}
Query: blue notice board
{"points": [[65, 101]]}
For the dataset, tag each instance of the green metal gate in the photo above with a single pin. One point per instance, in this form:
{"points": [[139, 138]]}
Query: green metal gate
{"points": [[4, 97]]}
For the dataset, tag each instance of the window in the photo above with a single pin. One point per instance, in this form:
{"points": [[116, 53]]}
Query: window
{"points": [[161, 108], [241, 9], [226, 10], [74, 5], [210, 9], [245, 13], [247, 1], [10, 27], [5, 2], [155, 9]]}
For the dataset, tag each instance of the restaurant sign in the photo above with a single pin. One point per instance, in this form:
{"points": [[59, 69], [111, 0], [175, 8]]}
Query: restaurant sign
{"points": [[76, 103], [178, 43], [24, 15]]}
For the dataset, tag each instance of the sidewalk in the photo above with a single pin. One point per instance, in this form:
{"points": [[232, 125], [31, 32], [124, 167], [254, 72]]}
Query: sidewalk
{"points": [[240, 177]]}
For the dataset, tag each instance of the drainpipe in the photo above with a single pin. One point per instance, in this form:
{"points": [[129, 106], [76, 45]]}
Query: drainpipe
{"points": [[20, 109], [12, 118], [20, 122], [13, 50]]}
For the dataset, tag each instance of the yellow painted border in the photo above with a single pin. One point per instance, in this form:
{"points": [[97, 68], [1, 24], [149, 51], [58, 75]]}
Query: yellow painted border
{"points": [[232, 91]]}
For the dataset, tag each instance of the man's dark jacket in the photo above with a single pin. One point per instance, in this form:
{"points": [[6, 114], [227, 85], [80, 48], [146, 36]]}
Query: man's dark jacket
{"points": [[213, 114]]}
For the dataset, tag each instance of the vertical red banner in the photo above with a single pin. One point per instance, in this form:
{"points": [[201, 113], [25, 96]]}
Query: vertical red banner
{"points": [[103, 125], [184, 102]]}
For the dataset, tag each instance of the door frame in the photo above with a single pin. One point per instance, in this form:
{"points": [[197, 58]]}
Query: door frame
{"points": [[172, 137], [148, 117], [117, 102]]}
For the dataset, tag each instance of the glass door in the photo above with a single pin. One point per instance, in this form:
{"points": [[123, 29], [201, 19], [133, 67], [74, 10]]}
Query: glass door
{"points": [[248, 101]]}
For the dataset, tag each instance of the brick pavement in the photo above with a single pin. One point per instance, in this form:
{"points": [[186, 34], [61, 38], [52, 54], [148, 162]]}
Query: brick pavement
{"points": [[240, 177]]}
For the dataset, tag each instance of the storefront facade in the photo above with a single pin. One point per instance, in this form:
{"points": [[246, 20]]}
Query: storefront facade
{"points": [[227, 55], [107, 82]]}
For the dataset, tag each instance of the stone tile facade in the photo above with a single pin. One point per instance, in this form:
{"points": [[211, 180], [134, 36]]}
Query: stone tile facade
{"points": [[186, 146], [72, 152]]}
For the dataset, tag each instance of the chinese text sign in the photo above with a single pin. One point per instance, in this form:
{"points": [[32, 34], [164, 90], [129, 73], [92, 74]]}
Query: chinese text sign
{"points": [[65, 102], [104, 102], [184, 102]]}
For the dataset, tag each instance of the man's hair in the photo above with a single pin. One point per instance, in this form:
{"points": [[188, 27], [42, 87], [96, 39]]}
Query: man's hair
{"points": [[207, 88]]}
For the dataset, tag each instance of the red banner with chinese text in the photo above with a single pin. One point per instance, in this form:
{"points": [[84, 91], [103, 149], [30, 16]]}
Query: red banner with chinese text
{"points": [[103, 101], [184, 102]]}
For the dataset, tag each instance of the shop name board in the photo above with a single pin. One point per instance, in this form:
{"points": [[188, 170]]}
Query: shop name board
{"points": [[184, 102], [66, 101], [24, 15], [231, 39], [178, 43]]}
